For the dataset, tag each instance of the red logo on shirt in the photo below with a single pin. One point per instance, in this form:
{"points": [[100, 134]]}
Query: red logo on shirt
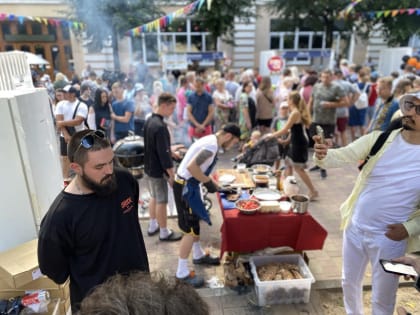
{"points": [[127, 205]]}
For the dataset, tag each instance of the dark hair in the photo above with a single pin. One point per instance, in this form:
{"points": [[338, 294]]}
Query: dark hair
{"points": [[244, 85], [80, 157], [142, 293], [98, 98], [166, 98]]}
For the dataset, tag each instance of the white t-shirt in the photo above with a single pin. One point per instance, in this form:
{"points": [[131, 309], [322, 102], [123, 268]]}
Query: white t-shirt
{"points": [[208, 143], [67, 108], [392, 190]]}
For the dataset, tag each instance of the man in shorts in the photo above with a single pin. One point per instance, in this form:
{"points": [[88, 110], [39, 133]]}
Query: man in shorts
{"points": [[193, 170], [352, 94], [159, 167], [326, 97]]}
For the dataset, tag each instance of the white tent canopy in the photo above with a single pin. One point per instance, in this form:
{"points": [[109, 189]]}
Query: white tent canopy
{"points": [[35, 59]]}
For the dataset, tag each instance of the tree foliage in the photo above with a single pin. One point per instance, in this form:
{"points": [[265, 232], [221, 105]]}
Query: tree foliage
{"points": [[105, 19], [220, 19], [318, 15], [396, 29], [324, 15]]}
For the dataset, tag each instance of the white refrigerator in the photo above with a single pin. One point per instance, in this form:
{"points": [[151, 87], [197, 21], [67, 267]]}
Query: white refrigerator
{"points": [[30, 169]]}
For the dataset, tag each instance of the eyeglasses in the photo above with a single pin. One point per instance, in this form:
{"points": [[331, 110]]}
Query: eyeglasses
{"points": [[406, 105], [88, 140]]}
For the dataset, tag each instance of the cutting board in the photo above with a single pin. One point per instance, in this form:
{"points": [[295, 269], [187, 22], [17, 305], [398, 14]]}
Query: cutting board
{"points": [[243, 180]]}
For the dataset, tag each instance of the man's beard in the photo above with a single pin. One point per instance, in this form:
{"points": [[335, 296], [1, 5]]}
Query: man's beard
{"points": [[107, 185], [407, 123]]}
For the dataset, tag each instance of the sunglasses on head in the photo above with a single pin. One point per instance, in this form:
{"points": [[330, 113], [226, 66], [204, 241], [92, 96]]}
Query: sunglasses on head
{"points": [[407, 105], [88, 140]]}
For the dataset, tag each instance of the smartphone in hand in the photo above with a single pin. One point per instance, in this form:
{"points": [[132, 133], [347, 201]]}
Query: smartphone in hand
{"points": [[398, 268]]}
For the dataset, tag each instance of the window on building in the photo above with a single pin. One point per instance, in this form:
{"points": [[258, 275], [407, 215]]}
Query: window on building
{"points": [[9, 48], [36, 28], [52, 30], [21, 29], [25, 48], [65, 31], [182, 35], [5, 28]]}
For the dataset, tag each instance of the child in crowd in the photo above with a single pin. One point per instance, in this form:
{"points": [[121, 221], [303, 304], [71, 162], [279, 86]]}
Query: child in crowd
{"points": [[278, 123], [255, 137]]}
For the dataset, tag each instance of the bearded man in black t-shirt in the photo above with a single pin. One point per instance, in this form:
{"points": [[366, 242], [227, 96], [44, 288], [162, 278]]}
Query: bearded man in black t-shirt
{"points": [[91, 230]]}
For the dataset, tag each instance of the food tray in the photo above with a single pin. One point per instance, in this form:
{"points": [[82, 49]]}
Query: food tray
{"points": [[282, 291], [242, 180]]}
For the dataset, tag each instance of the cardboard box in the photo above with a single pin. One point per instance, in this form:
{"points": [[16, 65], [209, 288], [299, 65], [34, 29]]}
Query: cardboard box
{"points": [[59, 307], [61, 291], [19, 265], [282, 291]]}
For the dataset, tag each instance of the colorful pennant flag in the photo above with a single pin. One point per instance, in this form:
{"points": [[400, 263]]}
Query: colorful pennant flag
{"points": [[47, 21], [168, 19]]}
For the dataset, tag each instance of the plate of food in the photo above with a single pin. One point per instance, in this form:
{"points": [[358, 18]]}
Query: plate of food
{"points": [[267, 194], [261, 168], [248, 206], [226, 179]]}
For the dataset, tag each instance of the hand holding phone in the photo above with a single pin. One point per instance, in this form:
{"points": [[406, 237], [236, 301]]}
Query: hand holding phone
{"points": [[398, 268]]}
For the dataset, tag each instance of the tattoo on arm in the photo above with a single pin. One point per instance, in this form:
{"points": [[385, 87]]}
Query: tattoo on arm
{"points": [[203, 156]]}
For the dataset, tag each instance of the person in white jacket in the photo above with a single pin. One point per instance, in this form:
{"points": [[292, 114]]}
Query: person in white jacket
{"points": [[381, 217]]}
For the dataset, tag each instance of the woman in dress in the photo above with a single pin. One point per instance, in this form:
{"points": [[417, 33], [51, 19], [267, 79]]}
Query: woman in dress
{"points": [[223, 102], [298, 120]]}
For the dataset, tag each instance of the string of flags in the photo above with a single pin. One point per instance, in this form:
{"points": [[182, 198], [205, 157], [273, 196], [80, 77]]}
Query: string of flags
{"points": [[45, 20], [379, 13], [166, 20]]}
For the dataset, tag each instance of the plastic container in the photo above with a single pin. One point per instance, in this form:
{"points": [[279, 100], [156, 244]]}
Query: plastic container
{"points": [[282, 291]]}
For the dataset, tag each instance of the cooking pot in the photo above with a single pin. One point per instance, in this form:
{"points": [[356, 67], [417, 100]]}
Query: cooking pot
{"points": [[300, 203], [129, 153]]}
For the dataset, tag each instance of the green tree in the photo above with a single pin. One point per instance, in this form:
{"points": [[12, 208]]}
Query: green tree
{"points": [[220, 19], [317, 15], [324, 15], [110, 19], [396, 29]]}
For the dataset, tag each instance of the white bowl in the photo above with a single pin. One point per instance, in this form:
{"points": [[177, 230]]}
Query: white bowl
{"points": [[285, 206]]}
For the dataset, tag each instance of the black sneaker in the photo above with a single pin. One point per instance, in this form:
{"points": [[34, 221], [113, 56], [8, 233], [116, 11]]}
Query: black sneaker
{"points": [[314, 168], [172, 237], [193, 280], [323, 173], [207, 260]]}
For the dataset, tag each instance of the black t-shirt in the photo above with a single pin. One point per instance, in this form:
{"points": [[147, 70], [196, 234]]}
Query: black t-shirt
{"points": [[90, 238], [157, 147], [252, 109]]}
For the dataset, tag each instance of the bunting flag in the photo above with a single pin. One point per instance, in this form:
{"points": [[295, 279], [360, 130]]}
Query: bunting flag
{"points": [[167, 19], [377, 14], [42, 20]]}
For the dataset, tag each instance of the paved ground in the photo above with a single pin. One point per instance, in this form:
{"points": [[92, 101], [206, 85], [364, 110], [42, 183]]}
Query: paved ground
{"points": [[325, 264]]}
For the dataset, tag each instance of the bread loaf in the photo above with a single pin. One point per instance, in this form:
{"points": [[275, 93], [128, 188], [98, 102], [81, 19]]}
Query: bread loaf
{"points": [[269, 206]]}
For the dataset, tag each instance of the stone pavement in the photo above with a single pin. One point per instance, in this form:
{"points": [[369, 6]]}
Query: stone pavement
{"points": [[324, 264]]}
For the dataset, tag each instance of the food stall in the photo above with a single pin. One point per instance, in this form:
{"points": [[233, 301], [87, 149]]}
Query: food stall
{"points": [[273, 226]]}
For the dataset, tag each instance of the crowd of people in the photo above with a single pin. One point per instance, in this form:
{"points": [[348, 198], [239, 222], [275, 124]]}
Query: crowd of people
{"points": [[210, 113]]}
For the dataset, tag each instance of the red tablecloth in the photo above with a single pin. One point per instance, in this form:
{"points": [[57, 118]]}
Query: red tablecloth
{"points": [[248, 233]]}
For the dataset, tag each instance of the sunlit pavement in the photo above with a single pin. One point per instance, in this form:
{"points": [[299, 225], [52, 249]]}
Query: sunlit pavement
{"points": [[324, 264]]}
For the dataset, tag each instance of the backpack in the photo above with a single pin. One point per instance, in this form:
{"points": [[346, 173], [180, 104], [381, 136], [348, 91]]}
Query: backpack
{"points": [[363, 101]]}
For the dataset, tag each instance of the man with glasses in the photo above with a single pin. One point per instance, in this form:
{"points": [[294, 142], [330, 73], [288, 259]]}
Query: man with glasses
{"points": [[381, 217], [91, 230]]}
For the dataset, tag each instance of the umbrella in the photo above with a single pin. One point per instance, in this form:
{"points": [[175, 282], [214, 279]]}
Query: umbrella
{"points": [[35, 59]]}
